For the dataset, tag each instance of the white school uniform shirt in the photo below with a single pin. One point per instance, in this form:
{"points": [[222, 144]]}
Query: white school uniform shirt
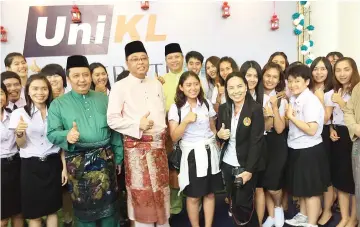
{"points": [[338, 114], [37, 144], [21, 102], [308, 108], [327, 98], [215, 94], [196, 136], [283, 103], [230, 156], [200, 129], [8, 139]]}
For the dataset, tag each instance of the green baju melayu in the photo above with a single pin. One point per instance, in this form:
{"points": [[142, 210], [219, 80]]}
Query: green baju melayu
{"points": [[91, 161]]}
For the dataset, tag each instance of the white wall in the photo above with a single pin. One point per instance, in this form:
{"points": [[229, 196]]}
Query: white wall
{"points": [[337, 28], [198, 25]]}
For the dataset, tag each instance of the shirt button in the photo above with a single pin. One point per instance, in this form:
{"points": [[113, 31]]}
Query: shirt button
{"points": [[85, 102], [90, 116], [88, 109]]}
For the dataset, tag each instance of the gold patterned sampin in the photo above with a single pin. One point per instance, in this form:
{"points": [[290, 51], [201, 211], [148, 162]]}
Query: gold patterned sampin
{"points": [[247, 121]]}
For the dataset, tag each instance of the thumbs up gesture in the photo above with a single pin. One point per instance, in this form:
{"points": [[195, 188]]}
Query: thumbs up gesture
{"points": [[268, 111], [160, 78], [289, 112], [73, 135], [190, 117], [223, 133], [145, 123], [21, 127], [34, 67], [221, 89], [337, 97]]}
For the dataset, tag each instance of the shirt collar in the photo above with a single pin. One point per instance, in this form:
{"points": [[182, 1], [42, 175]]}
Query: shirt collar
{"points": [[34, 110], [187, 104], [5, 116], [301, 97], [233, 110], [80, 96], [133, 78]]}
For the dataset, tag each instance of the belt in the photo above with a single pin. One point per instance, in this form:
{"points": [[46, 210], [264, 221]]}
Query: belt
{"points": [[11, 158], [45, 158]]}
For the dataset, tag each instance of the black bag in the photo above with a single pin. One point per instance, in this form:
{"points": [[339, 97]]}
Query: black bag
{"points": [[174, 158]]}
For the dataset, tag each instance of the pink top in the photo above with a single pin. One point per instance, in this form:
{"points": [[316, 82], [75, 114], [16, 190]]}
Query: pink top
{"points": [[130, 99]]}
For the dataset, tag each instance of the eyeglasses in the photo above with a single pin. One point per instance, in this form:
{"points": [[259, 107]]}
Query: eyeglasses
{"points": [[136, 60]]}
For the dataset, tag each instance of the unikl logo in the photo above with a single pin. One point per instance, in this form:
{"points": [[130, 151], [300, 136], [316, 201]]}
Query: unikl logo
{"points": [[50, 31]]}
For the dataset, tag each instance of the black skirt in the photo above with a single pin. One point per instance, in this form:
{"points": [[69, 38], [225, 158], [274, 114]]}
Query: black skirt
{"points": [[327, 141], [10, 187], [341, 166], [273, 177], [202, 186], [308, 172], [41, 191]]}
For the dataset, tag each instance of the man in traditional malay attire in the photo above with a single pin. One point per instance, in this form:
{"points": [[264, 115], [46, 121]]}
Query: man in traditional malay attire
{"points": [[137, 110], [175, 62], [77, 123]]}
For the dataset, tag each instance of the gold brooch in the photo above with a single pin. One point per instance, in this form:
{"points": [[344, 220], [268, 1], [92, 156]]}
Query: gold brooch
{"points": [[247, 121]]}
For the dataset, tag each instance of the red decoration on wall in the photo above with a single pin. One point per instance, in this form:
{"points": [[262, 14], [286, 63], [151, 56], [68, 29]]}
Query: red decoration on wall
{"points": [[226, 10], [145, 5], [274, 21], [75, 14], [3, 35]]}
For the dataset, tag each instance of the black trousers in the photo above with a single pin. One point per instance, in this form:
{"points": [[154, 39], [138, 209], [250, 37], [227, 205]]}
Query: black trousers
{"points": [[242, 199]]}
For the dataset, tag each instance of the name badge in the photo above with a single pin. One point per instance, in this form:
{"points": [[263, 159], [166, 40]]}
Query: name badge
{"points": [[247, 121]]}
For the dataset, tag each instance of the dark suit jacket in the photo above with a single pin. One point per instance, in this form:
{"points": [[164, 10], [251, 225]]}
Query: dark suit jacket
{"points": [[249, 139]]}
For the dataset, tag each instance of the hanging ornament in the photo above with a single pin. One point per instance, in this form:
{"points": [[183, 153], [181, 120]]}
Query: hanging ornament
{"points": [[297, 17], [274, 21], [3, 35], [226, 10], [310, 59], [310, 29], [75, 14], [305, 4], [145, 5]]}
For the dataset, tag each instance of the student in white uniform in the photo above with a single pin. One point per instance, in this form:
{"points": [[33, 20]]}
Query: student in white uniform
{"points": [[10, 169], [57, 78], [43, 171], [211, 74], [341, 167], [226, 66], [192, 122], [274, 113], [12, 82], [322, 75], [241, 131], [281, 59], [100, 78], [194, 62], [308, 174], [16, 62], [252, 72], [55, 74]]}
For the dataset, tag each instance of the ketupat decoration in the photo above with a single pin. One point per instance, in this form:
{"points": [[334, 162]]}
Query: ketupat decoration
{"points": [[305, 29]]}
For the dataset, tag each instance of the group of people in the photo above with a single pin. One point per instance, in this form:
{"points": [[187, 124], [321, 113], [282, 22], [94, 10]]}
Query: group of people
{"points": [[261, 134]]}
